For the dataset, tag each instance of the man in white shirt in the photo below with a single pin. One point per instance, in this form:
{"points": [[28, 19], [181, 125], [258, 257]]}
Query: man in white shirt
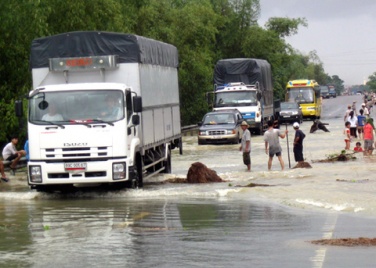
{"points": [[52, 114], [10, 152]]}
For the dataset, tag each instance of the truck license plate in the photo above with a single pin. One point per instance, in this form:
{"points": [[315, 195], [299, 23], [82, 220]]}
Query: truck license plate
{"points": [[75, 166]]}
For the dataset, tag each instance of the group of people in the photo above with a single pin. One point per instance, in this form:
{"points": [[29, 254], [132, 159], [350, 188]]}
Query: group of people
{"points": [[272, 145], [10, 153], [359, 125]]}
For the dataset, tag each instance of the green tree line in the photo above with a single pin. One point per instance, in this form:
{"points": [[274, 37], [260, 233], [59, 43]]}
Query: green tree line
{"points": [[204, 31]]}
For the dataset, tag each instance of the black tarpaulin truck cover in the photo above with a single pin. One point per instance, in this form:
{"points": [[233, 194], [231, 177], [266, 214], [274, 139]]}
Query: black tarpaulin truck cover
{"points": [[248, 71], [128, 47]]}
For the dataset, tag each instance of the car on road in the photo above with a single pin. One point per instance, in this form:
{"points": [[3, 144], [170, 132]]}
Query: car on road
{"points": [[324, 92], [220, 127], [290, 112]]}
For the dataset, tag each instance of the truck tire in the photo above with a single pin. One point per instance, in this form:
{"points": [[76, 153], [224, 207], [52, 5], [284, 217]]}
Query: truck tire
{"points": [[137, 180]]}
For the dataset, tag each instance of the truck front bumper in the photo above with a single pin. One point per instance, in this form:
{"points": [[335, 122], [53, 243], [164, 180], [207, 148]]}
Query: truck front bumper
{"points": [[44, 173]]}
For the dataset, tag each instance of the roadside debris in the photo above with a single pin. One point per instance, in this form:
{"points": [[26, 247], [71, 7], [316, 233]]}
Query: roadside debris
{"points": [[343, 156]]}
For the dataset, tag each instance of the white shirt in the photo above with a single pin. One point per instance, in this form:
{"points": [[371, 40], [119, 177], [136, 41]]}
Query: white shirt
{"points": [[9, 150], [353, 121], [365, 109]]}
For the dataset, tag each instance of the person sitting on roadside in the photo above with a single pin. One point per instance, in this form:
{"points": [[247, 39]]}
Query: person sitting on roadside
{"points": [[10, 153], [52, 114]]}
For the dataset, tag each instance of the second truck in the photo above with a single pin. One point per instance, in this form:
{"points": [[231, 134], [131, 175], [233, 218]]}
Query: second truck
{"points": [[245, 84]]}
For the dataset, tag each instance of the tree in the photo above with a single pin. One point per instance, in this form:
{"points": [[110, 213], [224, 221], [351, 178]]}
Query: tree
{"points": [[285, 26], [372, 82]]}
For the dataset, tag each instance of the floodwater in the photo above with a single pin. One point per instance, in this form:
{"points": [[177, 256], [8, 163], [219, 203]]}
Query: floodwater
{"points": [[206, 225]]}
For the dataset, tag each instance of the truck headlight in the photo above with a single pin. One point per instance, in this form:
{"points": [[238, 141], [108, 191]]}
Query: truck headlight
{"points": [[35, 174], [230, 131], [118, 171], [202, 133]]}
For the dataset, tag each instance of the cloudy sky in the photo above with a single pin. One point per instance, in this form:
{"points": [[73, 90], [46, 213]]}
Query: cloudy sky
{"points": [[342, 32]]}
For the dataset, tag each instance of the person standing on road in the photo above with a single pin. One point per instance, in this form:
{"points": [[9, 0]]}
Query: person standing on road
{"points": [[353, 107], [272, 146], [361, 122], [347, 113], [368, 137], [346, 132], [245, 146], [298, 143], [353, 124], [365, 110]]}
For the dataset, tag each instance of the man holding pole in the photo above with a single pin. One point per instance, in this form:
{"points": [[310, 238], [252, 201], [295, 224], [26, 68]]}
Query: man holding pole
{"points": [[272, 146], [298, 144]]}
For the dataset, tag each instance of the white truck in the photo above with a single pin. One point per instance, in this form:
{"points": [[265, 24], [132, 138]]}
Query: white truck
{"points": [[104, 110], [245, 84]]}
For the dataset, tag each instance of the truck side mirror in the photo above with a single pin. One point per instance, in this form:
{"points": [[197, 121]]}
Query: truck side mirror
{"points": [[135, 119], [137, 104], [18, 108]]}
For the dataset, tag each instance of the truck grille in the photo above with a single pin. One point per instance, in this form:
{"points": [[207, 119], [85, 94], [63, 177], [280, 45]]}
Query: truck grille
{"points": [[61, 153], [216, 132]]}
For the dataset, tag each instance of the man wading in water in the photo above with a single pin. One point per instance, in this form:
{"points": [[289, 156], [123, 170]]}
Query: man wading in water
{"points": [[272, 146]]}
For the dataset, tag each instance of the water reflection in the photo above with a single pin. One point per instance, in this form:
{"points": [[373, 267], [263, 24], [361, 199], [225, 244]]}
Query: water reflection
{"points": [[107, 232]]}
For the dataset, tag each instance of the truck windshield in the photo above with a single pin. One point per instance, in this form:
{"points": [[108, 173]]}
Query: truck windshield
{"points": [[301, 95], [235, 98], [76, 107]]}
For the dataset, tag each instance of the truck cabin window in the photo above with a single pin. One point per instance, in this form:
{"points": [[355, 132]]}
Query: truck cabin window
{"points": [[235, 98], [85, 106]]}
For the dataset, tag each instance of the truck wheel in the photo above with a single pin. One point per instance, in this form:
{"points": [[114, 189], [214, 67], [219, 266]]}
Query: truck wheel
{"points": [[137, 180], [140, 167]]}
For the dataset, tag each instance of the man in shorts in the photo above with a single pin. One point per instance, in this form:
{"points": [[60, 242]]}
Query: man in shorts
{"points": [[245, 146], [272, 146]]}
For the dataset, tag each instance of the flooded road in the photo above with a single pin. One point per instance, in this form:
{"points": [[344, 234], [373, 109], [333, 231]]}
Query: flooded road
{"points": [[221, 225]]}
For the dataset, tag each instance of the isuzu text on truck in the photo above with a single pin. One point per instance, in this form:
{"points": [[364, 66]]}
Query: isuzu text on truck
{"points": [[104, 110], [246, 85]]}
